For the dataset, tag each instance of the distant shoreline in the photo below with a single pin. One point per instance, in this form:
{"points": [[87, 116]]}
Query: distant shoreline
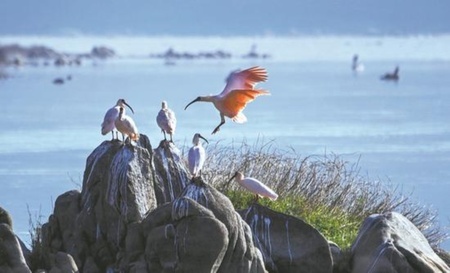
{"points": [[282, 48]]}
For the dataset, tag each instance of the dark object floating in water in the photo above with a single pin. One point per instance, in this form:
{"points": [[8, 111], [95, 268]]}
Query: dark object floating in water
{"points": [[58, 81], [391, 76]]}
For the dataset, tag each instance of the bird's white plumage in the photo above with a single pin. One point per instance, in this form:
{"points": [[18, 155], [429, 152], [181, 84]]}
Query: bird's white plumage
{"points": [[196, 156], [166, 120], [109, 119], [255, 186], [125, 124], [108, 124]]}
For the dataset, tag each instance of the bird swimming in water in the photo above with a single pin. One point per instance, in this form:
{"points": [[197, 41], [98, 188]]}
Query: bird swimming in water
{"points": [[239, 90], [126, 126], [254, 186], [392, 76], [357, 66], [111, 116], [196, 156], [166, 121]]}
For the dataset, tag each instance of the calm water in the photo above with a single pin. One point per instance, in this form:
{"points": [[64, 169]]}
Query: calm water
{"points": [[399, 132]]}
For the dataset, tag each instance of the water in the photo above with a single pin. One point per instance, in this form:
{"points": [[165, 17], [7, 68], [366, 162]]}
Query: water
{"points": [[398, 132]]}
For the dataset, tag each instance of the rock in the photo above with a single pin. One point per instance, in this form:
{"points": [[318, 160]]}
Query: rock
{"points": [[179, 235], [336, 254], [63, 263], [176, 241], [170, 172], [102, 52], [288, 244], [11, 256], [118, 190], [241, 254], [5, 218], [390, 243]]}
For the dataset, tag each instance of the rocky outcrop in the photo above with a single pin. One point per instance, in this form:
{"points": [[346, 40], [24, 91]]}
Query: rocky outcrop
{"points": [[118, 191], [114, 222], [390, 243], [288, 244], [139, 212]]}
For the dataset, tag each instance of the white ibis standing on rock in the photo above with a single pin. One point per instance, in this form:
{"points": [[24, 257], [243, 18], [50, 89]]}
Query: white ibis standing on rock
{"points": [[196, 156], [111, 116], [126, 126], [166, 121]]}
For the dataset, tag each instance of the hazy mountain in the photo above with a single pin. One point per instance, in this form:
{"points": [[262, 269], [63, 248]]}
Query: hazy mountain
{"points": [[232, 17]]}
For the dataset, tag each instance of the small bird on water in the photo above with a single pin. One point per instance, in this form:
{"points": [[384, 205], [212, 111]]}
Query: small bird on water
{"points": [[254, 186], [392, 76], [166, 120], [196, 156], [239, 90], [111, 116], [126, 126]]}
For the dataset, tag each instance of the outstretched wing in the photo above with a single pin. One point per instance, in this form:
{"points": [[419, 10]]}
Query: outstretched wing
{"points": [[245, 79], [235, 101]]}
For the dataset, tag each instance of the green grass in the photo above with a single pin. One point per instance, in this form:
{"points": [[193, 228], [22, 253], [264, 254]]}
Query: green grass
{"points": [[336, 226], [325, 191]]}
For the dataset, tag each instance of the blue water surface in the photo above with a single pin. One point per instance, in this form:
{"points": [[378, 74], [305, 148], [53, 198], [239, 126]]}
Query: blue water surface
{"points": [[396, 132]]}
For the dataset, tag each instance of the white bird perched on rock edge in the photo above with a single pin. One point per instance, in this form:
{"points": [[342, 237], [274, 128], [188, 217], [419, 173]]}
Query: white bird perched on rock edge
{"points": [[111, 115], [166, 120], [238, 91], [196, 156], [254, 186], [126, 126]]}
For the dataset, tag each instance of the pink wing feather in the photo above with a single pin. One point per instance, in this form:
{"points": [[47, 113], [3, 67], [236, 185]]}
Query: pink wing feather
{"points": [[245, 79]]}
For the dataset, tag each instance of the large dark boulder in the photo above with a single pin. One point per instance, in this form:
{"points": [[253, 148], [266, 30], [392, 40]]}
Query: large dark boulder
{"points": [[288, 244], [117, 191], [199, 232], [11, 255], [390, 243], [179, 238]]}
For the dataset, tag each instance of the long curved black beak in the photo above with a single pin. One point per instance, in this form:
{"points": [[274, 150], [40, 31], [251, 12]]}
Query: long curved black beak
{"points": [[128, 106], [232, 178], [200, 136], [197, 99]]}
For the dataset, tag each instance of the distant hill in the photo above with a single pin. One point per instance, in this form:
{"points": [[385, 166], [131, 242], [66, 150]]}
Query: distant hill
{"points": [[231, 17]]}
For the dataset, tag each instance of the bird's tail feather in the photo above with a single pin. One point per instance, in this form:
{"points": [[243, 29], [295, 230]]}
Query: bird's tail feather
{"points": [[240, 118]]}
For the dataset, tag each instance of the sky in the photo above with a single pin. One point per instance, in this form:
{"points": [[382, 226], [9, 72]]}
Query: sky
{"points": [[224, 18]]}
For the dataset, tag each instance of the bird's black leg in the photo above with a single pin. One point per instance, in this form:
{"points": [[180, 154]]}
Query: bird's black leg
{"points": [[165, 138], [222, 122], [256, 199]]}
